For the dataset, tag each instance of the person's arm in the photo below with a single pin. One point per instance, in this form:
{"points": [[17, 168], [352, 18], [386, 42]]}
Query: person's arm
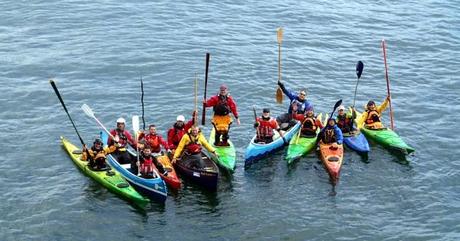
{"points": [[233, 108], [202, 140], [184, 141], [383, 106], [211, 101], [318, 123], [170, 137], [339, 135], [163, 143], [287, 92], [130, 139]]}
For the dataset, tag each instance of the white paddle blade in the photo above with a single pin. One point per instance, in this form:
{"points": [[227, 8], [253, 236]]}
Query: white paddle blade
{"points": [[135, 123], [87, 110]]}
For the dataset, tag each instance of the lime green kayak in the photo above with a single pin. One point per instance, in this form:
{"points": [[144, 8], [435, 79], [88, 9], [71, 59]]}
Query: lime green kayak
{"points": [[299, 146], [111, 179], [388, 138], [227, 154]]}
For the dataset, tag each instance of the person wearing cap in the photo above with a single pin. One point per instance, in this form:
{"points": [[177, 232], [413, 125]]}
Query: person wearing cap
{"points": [[331, 134], [191, 144], [299, 99], [345, 119], [223, 104], [310, 123], [177, 131], [372, 113], [265, 126], [122, 139], [97, 154]]}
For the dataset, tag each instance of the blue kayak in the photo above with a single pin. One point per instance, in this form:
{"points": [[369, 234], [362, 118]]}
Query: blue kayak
{"points": [[256, 151], [357, 142], [153, 188]]}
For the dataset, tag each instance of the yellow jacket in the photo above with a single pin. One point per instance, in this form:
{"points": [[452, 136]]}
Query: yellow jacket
{"points": [[381, 108], [94, 155], [200, 139]]}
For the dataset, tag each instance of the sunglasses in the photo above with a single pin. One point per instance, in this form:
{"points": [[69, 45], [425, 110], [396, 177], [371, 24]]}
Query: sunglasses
{"points": [[303, 94]]}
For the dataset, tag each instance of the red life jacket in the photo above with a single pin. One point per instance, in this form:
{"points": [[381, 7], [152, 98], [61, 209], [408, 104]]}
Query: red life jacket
{"points": [[309, 125], [266, 127], [222, 108], [147, 166], [193, 147], [154, 142], [372, 116], [123, 140], [344, 123]]}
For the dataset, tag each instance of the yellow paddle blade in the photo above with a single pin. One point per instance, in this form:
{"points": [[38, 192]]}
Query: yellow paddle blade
{"points": [[279, 96], [279, 33]]}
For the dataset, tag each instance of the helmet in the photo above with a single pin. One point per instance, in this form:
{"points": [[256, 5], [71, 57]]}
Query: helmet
{"points": [[371, 102], [180, 118], [341, 107], [121, 120]]}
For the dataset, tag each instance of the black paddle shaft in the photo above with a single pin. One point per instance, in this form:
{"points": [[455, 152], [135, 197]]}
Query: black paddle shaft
{"points": [[142, 101], [203, 116]]}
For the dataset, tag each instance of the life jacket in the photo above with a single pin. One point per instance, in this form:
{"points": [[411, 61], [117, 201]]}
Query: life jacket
{"points": [[222, 108], [329, 135], [266, 127], [147, 166], [154, 142], [175, 134], [372, 116], [123, 140], [98, 156], [344, 123], [193, 147], [309, 126]]}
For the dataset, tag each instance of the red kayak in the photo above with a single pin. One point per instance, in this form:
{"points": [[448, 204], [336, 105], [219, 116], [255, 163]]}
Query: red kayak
{"points": [[332, 159], [171, 179]]}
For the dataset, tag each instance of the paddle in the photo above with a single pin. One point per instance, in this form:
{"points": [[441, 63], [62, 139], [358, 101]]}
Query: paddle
{"points": [[203, 116], [337, 104], [89, 112], [279, 92], [67, 112], [142, 101], [388, 82], [255, 119], [195, 121], [135, 122], [359, 71]]}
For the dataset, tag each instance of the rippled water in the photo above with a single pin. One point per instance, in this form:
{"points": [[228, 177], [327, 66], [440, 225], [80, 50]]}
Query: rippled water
{"points": [[98, 51]]}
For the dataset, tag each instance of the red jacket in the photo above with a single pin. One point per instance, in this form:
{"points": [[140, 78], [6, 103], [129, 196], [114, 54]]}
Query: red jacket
{"points": [[124, 139], [155, 142], [213, 101], [175, 134], [266, 127]]}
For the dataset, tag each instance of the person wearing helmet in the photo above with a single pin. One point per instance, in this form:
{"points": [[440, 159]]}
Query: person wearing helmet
{"points": [[331, 134], [310, 123], [97, 155], [265, 126], [178, 130], [372, 113], [191, 144], [122, 139], [345, 119], [223, 104], [300, 100]]}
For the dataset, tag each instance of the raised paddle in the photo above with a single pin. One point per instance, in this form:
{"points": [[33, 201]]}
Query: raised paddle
{"points": [[196, 102], [67, 112], [359, 71], [255, 119], [337, 104], [135, 122], [142, 101], [89, 112], [203, 116], [388, 82], [279, 92]]}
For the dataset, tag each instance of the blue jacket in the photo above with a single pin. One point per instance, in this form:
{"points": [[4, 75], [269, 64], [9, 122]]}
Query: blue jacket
{"points": [[293, 97], [337, 132]]}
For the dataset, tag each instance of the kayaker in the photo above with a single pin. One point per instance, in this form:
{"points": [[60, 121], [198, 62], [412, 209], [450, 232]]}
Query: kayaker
{"points": [[371, 117], [345, 119], [191, 144], [97, 155], [223, 104], [265, 126], [310, 123], [154, 142], [147, 161], [122, 139], [331, 134], [299, 99], [178, 130]]}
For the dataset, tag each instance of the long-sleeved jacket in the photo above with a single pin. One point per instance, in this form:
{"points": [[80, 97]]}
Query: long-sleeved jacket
{"points": [[175, 134], [214, 100], [379, 109], [189, 139], [337, 133], [302, 105], [97, 154], [125, 138]]}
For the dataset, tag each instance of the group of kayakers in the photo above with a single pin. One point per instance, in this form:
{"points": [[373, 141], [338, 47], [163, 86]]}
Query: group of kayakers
{"points": [[186, 138]]}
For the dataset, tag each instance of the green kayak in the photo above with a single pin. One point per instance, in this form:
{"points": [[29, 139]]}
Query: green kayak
{"points": [[388, 138], [227, 154], [299, 146], [110, 179]]}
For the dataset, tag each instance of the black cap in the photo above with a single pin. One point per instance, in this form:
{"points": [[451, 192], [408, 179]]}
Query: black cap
{"points": [[371, 102], [266, 110]]}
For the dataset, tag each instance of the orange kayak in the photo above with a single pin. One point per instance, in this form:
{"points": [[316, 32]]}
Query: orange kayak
{"points": [[332, 160], [171, 179]]}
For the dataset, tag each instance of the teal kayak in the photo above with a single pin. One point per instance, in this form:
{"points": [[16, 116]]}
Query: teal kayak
{"points": [[227, 154], [389, 139]]}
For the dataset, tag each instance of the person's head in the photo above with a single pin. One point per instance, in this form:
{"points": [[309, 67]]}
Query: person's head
{"points": [[152, 129], [331, 122], [194, 130], [121, 123], [97, 144], [223, 90], [147, 150], [371, 105], [180, 121], [266, 113], [302, 94], [309, 112], [341, 110]]}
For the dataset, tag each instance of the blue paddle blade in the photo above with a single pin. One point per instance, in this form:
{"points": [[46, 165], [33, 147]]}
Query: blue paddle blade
{"points": [[359, 68]]}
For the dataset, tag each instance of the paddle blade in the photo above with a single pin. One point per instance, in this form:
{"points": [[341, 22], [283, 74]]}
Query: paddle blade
{"points": [[337, 104], [279, 35], [88, 111], [359, 68], [279, 96], [135, 122]]}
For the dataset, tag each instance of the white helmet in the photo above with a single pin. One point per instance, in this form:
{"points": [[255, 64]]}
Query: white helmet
{"points": [[180, 118], [341, 107], [121, 120]]}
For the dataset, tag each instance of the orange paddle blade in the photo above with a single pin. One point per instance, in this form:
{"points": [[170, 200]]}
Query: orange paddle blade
{"points": [[279, 95]]}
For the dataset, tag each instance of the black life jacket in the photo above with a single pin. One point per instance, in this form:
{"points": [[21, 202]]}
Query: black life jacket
{"points": [[344, 123], [222, 107], [329, 136]]}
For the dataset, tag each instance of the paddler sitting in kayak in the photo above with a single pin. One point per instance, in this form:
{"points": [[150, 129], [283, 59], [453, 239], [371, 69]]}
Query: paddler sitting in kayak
{"points": [[371, 117], [300, 100], [223, 104], [192, 143], [146, 162], [345, 120], [265, 126], [122, 139], [331, 134], [178, 130], [310, 123], [97, 155], [154, 142]]}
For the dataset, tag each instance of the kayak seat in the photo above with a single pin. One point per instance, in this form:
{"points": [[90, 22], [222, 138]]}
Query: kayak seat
{"points": [[333, 159]]}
